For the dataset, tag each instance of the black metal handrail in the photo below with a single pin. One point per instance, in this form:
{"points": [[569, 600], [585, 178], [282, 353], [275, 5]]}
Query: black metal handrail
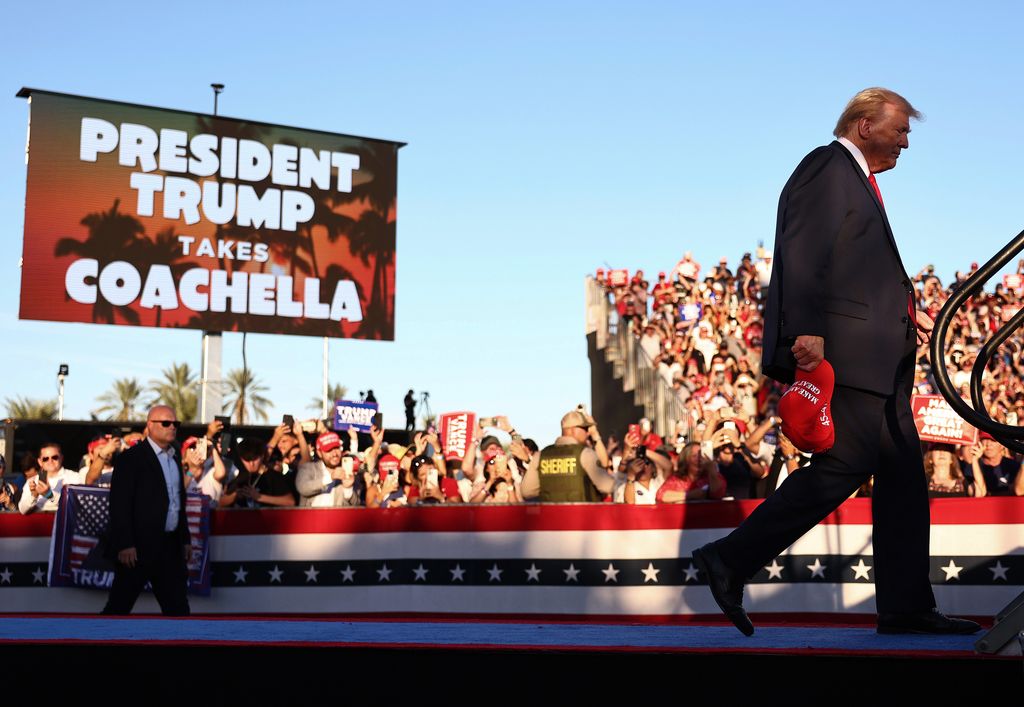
{"points": [[1007, 435]]}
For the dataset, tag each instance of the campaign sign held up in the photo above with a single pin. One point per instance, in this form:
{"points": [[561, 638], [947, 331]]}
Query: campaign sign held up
{"points": [[936, 421], [456, 433], [352, 415], [691, 312]]}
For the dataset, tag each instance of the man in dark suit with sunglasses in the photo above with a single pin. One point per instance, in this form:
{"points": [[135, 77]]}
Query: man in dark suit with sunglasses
{"points": [[149, 538]]}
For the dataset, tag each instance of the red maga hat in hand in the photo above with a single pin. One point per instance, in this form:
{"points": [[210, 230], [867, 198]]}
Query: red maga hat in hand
{"points": [[804, 409]]}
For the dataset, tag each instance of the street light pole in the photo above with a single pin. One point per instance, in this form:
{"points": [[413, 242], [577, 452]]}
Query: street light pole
{"points": [[211, 399]]}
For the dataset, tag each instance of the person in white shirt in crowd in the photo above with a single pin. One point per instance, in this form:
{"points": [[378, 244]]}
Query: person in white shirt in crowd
{"points": [[43, 492], [645, 472], [100, 454], [473, 480], [193, 456], [650, 343], [706, 342]]}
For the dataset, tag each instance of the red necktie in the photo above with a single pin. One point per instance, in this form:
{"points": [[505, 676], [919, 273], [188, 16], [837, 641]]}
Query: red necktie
{"points": [[911, 309], [878, 192]]}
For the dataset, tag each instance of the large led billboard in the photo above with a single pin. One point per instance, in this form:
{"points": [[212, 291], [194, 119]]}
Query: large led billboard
{"points": [[153, 217]]}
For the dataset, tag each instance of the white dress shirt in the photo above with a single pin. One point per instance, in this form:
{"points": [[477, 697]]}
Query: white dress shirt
{"points": [[857, 155], [172, 478]]}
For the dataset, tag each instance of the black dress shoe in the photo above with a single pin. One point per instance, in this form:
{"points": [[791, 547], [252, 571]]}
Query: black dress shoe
{"points": [[726, 587], [931, 621]]}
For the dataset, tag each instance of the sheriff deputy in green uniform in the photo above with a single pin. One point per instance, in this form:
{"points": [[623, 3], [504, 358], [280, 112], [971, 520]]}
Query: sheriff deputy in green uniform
{"points": [[570, 470]]}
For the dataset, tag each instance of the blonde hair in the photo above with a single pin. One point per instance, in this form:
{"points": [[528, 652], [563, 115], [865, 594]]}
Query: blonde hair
{"points": [[869, 104]]}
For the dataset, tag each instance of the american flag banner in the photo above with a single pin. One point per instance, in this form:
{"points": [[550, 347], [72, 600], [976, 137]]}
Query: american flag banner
{"points": [[81, 531], [537, 560]]}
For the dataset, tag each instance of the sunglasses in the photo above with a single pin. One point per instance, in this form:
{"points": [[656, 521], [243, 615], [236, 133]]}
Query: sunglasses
{"points": [[167, 423], [54, 458]]}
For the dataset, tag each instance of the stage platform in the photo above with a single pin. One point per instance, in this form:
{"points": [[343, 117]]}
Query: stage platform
{"points": [[698, 657]]}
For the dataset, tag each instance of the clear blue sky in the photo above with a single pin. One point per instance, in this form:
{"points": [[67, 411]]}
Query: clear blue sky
{"points": [[545, 140]]}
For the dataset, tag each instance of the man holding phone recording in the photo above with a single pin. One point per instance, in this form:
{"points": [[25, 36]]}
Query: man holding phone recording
{"points": [[327, 482], [570, 470]]}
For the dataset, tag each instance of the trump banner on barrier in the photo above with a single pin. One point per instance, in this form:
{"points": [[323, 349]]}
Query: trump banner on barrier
{"points": [[153, 217], [78, 544]]}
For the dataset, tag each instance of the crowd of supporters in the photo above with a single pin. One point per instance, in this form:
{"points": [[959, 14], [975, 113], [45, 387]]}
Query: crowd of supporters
{"points": [[703, 336], [302, 464]]}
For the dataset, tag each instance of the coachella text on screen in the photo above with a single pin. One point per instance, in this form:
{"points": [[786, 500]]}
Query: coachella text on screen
{"points": [[144, 150]]}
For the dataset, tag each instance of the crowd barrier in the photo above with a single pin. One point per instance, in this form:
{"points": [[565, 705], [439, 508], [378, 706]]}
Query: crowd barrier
{"points": [[557, 560]]}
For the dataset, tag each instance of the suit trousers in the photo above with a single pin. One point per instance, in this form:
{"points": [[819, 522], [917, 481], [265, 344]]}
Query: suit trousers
{"points": [[164, 567], [875, 435]]}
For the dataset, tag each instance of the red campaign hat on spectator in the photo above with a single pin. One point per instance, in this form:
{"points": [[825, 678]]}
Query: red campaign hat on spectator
{"points": [[189, 442], [491, 452], [387, 464], [804, 409], [99, 441], [327, 441], [986, 435]]}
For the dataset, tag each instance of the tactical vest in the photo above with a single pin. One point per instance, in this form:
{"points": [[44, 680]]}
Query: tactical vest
{"points": [[562, 476]]}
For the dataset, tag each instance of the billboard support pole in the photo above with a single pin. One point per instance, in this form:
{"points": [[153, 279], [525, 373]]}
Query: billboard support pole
{"points": [[324, 390], [211, 400], [213, 346]]}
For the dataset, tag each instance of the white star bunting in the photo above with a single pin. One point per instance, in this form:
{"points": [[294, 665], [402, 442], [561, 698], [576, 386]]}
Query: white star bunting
{"points": [[952, 570], [275, 575], [421, 573], [494, 574], [533, 574], [860, 570], [817, 569], [650, 574], [691, 573], [5, 576], [384, 574], [572, 573], [998, 572], [774, 570], [348, 574], [312, 573], [38, 575], [240, 575], [457, 573], [610, 573]]}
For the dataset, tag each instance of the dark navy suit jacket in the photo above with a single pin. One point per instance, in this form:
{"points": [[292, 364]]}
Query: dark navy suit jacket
{"points": [[138, 503], [837, 274]]}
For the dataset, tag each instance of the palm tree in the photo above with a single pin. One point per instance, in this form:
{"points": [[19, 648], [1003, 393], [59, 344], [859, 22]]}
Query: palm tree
{"points": [[335, 391], [119, 402], [373, 235], [244, 394], [110, 234], [179, 389], [23, 408], [163, 249]]}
